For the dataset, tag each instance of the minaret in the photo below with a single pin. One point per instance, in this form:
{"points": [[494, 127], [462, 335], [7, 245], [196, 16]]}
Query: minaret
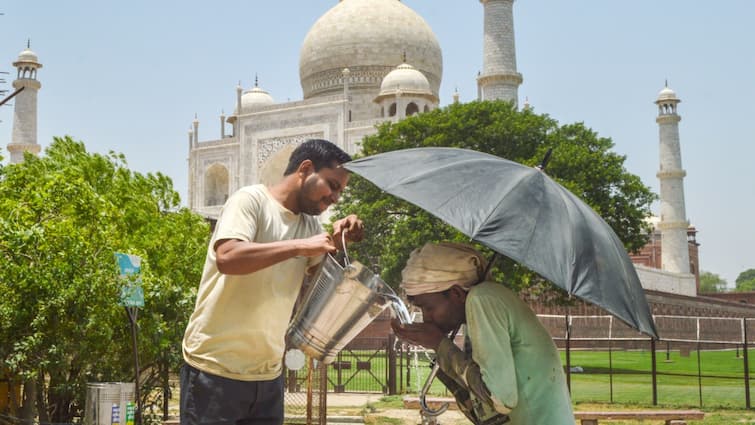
{"points": [[24, 138], [196, 130], [674, 224], [499, 79], [222, 124], [191, 161]]}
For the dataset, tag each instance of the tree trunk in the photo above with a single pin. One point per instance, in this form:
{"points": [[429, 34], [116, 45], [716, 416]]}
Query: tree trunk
{"points": [[28, 400], [42, 405], [14, 392], [166, 388]]}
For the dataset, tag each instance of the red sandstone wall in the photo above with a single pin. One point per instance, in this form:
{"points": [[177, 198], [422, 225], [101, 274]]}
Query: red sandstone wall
{"points": [[734, 297], [651, 255]]}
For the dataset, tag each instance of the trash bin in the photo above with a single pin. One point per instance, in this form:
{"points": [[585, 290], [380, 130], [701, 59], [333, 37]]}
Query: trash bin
{"points": [[100, 398]]}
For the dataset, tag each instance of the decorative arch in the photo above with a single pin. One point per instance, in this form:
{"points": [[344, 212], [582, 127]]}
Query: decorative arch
{"points": [[392, 110], [412, 109], [215, 185]]}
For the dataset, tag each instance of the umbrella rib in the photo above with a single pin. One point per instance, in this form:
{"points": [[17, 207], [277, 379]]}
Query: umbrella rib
{"points": [[570, 287], [570, 205], [490, 213]]}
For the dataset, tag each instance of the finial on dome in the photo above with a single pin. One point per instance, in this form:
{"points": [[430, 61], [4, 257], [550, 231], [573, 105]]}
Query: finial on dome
{"points": [[403, 57], [256, 80], [666, 82], [28, 43]]}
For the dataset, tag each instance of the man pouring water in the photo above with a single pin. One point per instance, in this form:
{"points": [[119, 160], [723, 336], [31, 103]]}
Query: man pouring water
{"points": [[265, 240]]}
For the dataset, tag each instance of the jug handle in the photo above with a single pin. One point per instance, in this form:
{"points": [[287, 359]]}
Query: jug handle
{"points": [[346, 261]]}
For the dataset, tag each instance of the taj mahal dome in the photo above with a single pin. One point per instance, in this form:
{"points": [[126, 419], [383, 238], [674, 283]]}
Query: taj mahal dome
{"points": [[362, 63]]}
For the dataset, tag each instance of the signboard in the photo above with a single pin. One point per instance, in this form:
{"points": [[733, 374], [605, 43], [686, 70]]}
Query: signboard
{"points": [[132, 294]]}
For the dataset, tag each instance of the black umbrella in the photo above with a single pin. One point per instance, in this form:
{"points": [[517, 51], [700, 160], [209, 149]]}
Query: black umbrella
{"points": [[519, 212]]}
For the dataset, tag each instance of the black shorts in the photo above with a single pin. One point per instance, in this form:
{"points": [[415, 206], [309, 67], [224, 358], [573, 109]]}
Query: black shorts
{"points": [[208, 399]]}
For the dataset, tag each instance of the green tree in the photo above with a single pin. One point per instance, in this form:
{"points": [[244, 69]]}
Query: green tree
{"points": [[711, 283], [62, 218], [582, 161], [746, 281]]}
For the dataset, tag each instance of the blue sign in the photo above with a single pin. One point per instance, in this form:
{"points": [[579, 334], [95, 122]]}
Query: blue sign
{"points": [[132, 294]]}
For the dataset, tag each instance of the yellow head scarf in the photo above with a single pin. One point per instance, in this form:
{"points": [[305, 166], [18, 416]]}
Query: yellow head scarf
{"points": [[438, 266]]}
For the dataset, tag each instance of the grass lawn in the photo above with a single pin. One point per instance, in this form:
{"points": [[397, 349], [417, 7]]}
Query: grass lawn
{"points": [[677, 381], [722, 382]]}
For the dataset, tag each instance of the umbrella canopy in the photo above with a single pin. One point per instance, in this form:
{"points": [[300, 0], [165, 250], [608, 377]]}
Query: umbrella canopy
{"points": [[519, 212]]}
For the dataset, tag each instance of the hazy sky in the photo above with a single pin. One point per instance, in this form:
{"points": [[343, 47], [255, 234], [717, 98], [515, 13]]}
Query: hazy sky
{"points": [[129, 77]]}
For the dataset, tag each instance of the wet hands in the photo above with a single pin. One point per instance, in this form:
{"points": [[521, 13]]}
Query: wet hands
{"points": [[324, 243], [352, 226], [317, 245], [425, 334]]}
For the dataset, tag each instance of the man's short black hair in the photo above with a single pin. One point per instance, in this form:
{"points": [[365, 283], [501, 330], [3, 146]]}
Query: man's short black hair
{"points": [[321, 152]]}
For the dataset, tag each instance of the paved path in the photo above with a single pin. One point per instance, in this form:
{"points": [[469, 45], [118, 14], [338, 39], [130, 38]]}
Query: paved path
{"points": [[352, 399], [407, 416]]}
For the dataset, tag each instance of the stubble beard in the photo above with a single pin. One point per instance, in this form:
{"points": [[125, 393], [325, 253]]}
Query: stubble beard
{"points": [[307, 205]]}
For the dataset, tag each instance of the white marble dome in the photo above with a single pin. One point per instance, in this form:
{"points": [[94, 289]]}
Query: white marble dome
{"points": [[407, 79], [369, 37], [27, 55], [667, 94], [255, 98]]}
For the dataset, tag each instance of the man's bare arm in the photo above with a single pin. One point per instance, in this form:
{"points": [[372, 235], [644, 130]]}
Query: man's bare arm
{"points": [[236, 257]]}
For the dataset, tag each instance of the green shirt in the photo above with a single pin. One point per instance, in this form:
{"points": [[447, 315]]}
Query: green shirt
{"points": [[514, 364]]}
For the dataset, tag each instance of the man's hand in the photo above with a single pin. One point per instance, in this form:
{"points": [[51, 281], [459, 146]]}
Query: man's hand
{"points": [[317, 245], [424, 334], [352, 225]]}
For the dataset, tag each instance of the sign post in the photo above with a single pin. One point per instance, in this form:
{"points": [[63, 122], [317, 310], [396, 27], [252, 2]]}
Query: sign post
{"points": [[132, 298]]}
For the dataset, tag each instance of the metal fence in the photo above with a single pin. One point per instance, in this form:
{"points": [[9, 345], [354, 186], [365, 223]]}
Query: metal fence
{"points": [[701, 361], [363, 366], [305, 395], [698, 361]]}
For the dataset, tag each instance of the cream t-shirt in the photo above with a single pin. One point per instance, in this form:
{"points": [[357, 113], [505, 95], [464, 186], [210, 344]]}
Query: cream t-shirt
{"points": [[238, 326]]}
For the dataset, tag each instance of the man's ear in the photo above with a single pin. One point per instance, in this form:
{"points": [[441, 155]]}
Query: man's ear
{"points": [[306, 168], [458, 294]]}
